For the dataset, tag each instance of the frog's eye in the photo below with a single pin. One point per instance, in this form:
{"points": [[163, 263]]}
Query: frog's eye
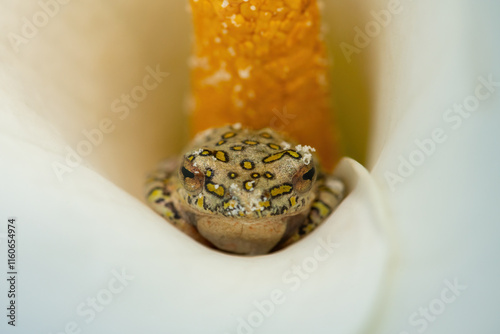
{"points": [[191, 177], [304, 178]]}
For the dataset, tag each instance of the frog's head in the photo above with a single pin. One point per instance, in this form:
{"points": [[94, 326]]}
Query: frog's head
{"points": [[242, 173]]}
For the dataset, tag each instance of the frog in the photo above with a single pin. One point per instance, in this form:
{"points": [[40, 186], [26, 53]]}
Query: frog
{"points": [[244, 191]]}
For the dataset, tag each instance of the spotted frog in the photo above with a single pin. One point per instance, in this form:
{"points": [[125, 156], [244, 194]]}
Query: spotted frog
{"points": [[244, 191]]}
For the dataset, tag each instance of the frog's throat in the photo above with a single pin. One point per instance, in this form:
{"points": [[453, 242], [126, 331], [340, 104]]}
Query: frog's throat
{"points": [[245, 236]]}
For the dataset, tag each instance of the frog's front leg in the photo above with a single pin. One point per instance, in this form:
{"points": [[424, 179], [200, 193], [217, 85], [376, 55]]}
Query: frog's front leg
{"points": [[330, 194], [161, 191]]}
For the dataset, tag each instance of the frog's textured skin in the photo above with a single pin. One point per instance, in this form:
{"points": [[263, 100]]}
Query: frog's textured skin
{"points": [[244, 191]]}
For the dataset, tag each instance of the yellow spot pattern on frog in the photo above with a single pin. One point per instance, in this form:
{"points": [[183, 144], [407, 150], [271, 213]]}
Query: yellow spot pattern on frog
{"points": [[250, 142], [269, 175], [230, 204], [200, 202], [228, 135], [237, 148], [155, 195], [168, 213], [308, 228], [215, 189], [273, 157], [205, 152], [323, 209], [191, 157], [221, 156], [293, 154], [274, 146], [293, 200], [279, 155], [265, 204], [281, 190], [249, 185], [247, 164], [209, 173], [266, 135]]}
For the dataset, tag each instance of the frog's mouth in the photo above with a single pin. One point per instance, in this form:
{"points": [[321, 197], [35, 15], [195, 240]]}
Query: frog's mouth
{"points": [[253, 207], [260, 207]]}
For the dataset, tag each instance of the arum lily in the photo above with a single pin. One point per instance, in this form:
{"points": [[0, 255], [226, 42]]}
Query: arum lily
{"points": [[89, 101]]}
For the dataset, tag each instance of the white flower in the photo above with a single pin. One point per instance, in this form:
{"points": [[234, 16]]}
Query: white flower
{"points": [[88, 105]]}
